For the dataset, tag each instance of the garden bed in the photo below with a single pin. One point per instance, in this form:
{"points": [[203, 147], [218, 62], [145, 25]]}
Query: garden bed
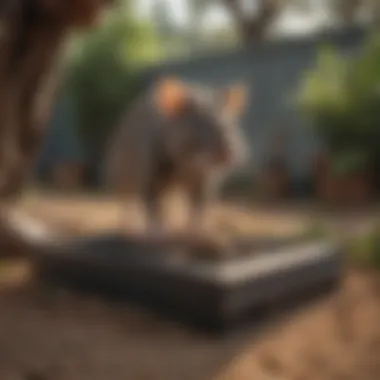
{"points": [[207, 291]]}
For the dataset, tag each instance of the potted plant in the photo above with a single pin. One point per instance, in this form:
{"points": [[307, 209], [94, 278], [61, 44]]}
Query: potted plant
{"points": [[347, 179], [276, 178], [340, 99]]}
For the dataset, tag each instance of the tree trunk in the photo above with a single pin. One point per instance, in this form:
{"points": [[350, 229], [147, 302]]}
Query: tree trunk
{"points": [[347, 11], [32, 36], [28, 77], [255, 27], [252, 31]]}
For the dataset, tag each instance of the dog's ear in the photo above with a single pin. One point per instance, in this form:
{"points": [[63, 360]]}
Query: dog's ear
{"points": [[170, 96], [233, 99]]}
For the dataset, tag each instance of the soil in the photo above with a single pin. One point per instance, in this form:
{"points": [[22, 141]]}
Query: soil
{"points": [[51, 334], [54, 335], [98, 213]]}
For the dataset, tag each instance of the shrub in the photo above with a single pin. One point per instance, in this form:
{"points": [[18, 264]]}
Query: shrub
{"points": [[365, 249], [340, 96], [104, 75]]}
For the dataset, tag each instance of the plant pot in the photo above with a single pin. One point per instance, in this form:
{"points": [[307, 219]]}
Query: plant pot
{"points": [[275, 184], [354, 188], [358, 188], [68, 176]]}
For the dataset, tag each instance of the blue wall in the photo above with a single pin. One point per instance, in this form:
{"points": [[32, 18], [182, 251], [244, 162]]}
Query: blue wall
{"points": [[61, 144], [272, 72]]}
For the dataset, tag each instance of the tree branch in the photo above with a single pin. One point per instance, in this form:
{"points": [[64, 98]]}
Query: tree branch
{"points": [[254, 27], [346, 10]]}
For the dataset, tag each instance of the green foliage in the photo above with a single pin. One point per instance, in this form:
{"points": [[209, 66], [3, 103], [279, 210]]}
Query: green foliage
{"points": [[349, 161], [104, 75], [341, 98], [315, 231], [365, 249], [323, 97], [238, 186], [375, 256]]}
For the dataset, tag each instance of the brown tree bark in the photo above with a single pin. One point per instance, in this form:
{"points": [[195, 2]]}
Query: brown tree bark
{"points": [[32, 37], [253, 28], [346, 11]]}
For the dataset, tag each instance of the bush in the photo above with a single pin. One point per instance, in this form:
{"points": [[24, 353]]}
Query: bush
{"points": [[349, 162], [104, 75], [341, 99], [315, 231], [365, 250], [238, 186]]}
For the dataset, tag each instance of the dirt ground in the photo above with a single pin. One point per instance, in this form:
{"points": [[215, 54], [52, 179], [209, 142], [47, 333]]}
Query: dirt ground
{"points": [[98, 213], [47, 334]]}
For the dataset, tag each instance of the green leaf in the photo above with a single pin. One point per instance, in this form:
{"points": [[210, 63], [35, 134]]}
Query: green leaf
{"points": [[103, 74]]}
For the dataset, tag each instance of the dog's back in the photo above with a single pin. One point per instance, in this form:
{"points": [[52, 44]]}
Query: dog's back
{"points": [[130, 149], [172, 127]]}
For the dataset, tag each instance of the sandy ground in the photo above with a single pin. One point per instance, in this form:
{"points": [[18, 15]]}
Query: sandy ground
{"points": [[99, 213], [54, 335]]}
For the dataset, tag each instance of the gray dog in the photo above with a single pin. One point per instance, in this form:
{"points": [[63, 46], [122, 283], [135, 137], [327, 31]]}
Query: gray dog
{"points": [[176, 134]]}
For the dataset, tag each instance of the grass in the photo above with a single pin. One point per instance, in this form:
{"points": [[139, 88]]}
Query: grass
{"points": [[315, 231], [364, 250]]}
